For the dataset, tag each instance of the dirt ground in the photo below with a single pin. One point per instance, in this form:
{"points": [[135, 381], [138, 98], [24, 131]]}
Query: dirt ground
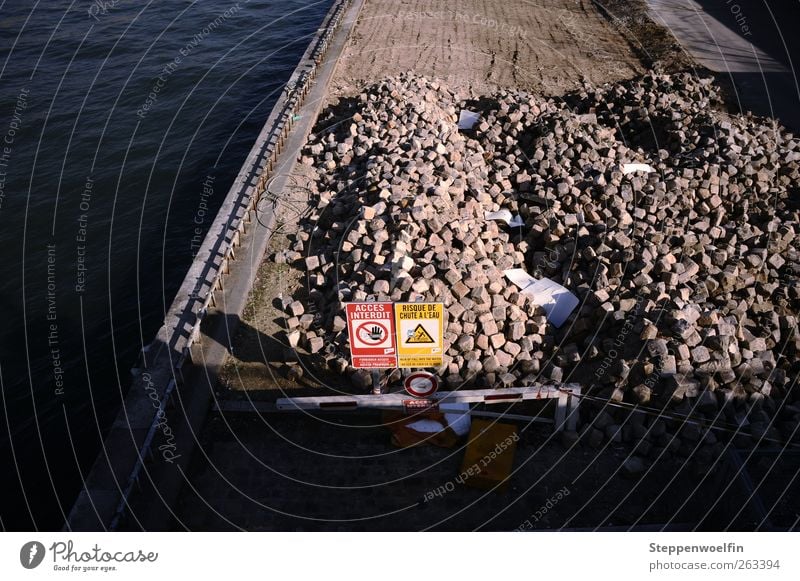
{"points": [[547, 46], [260, 345], [653, 44]]}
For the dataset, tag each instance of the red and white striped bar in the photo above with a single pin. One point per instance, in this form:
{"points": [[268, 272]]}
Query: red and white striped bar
{"points": [[566, 414]]}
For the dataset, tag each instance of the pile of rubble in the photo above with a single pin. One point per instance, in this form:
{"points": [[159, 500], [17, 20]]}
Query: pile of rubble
{"points": [[687, 274]]}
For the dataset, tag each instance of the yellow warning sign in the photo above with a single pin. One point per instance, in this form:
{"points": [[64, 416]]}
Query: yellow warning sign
{"points": [[420, 332]]}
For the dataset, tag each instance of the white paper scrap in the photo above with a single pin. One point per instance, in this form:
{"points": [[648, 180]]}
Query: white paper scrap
{"points": [[557, 302], [505, 216], [467, 119], [426, 426], [634, 167]]}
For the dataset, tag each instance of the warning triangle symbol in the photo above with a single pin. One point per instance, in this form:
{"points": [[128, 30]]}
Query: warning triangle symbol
{"points": [[420, 335]]}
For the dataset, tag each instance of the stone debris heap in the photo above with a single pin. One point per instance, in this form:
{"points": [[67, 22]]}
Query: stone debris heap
{"points": [[687, 275]]}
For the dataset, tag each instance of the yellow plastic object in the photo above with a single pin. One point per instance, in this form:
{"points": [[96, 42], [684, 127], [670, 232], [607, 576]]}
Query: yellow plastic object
{"points": [[489, 457]]}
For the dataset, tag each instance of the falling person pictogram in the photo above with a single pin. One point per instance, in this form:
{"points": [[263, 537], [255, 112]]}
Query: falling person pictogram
{"points": [[419, 335]]}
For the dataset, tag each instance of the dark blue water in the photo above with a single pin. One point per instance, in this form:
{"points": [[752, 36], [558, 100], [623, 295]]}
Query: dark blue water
{"points": [[122, 125]]}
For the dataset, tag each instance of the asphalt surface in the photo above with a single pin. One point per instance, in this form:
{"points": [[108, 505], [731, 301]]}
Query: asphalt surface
{"points": [[749, 41]]}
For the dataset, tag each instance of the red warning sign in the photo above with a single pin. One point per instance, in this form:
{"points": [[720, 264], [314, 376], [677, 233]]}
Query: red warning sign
{"points": [[421, 384], [370, 327]]}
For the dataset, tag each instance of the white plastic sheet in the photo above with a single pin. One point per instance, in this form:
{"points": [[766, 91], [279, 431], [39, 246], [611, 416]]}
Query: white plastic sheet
{"points": [[634, 167], [467, 119], [457, 417], [505, 216], [557, 302]]}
